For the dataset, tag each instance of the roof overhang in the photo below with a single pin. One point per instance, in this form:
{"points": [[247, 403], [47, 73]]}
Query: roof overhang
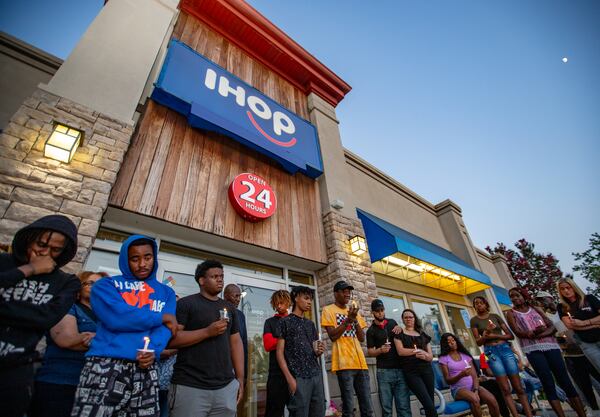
{"points": [[241, 24]]}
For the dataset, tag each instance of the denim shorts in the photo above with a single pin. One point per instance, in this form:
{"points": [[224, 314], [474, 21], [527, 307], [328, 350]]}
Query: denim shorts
{"points": [[501, 360]]}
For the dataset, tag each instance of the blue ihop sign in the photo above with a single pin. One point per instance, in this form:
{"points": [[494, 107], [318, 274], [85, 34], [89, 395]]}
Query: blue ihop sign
{"points": [[216, 100]]}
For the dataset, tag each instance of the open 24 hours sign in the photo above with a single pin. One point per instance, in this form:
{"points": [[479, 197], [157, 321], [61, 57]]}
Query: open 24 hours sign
{"points": [[252, 197]]}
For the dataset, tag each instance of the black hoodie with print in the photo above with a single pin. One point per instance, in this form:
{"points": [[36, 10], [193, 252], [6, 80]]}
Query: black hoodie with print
{"points": [[31, 306]]}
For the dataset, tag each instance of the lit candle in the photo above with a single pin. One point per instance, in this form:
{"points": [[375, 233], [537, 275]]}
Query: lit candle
{"points": [[491, 322], [569, 314], [354, 303], [146, 342], [467, 364], [225, 314], [416, 347]]}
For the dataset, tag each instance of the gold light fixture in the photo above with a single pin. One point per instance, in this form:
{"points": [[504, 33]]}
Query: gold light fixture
{"points": [[62, 143], [358, 246]]}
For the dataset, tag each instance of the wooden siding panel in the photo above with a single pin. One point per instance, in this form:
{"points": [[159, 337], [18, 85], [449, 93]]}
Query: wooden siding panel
{"points": [[145, 163], [193, 176], [167, 180], [182, 174]]}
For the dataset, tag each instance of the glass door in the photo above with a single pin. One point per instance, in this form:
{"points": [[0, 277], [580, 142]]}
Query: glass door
{"points": [[460, 322], [256, 306], [431, 320]]}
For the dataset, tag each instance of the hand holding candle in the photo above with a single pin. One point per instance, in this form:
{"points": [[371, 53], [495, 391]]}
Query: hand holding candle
{"points": [[145, 356], [467, 364]]}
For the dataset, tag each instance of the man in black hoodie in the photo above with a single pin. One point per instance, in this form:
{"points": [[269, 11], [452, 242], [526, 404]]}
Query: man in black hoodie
{"points": [[34, 295]]}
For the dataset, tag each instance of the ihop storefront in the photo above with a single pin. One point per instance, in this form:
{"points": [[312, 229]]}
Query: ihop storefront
{"points": [[236, 154]]}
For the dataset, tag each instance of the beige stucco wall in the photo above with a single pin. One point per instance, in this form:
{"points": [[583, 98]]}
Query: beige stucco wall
{"points": [[23, 67], [488, 268], [393, 203], [108, 69]]}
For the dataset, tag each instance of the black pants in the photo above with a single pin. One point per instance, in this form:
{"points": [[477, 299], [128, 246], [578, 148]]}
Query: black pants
{"points": [[16, 386], [52, 400], [278, 394], [492, 386], [421, 383], [582, 372], [549, 365]]}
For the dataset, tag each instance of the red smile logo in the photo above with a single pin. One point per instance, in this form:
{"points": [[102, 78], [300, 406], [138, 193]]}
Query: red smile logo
{"points": [[287, 144]]}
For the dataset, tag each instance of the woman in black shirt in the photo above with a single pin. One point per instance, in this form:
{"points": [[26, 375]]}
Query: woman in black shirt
{"points": [[414, 348], [581, 313]]}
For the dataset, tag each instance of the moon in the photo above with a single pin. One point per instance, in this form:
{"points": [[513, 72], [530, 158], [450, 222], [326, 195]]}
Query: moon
{"points": [[565, 60]]}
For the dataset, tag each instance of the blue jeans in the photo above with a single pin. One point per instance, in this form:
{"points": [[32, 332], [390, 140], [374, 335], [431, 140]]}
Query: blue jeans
{"points": [[392, 387], [501, 360], [359, 380], [591, 351]]}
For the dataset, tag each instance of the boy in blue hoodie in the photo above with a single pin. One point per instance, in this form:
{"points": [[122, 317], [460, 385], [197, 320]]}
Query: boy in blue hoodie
{"points": [[117, 378]]}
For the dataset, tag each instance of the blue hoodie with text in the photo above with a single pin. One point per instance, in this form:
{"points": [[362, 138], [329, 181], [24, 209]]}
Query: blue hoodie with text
{"points": [[128, 309]]}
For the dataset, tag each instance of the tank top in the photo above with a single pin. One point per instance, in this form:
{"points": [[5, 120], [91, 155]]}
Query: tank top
{"points": [[528, 321]]}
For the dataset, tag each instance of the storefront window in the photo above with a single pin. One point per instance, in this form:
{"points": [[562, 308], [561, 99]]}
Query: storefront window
{"points": [[300, 278], [394, 306], [431, 320], [459, 321], [257, 269], [103, 261], [182, 284]]}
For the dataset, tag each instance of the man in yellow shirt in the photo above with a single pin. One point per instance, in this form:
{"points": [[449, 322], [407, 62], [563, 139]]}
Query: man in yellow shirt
{"points": [[345, 326]]}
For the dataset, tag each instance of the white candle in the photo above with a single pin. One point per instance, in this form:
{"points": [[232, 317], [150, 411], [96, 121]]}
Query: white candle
{"points": [[225, 314], [467, 364], [416, 347], [569, 314], [353, 303], [491, 322], [146, 342]]}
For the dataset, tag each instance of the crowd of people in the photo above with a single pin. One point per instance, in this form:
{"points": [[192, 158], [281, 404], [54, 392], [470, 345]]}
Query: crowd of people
{"points": [[125, 345]]}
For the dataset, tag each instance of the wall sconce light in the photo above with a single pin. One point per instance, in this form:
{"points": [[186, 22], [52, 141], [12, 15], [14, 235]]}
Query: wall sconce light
{"points": [[358, 246], [62, 143]]}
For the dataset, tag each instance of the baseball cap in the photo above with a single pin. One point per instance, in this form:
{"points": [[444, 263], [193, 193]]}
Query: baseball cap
{"points": [[543, 294], [376, 304], [342, 285]]}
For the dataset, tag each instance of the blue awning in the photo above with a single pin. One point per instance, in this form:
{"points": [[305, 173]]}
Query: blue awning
{"points": [[502, 295], [385, 239]]}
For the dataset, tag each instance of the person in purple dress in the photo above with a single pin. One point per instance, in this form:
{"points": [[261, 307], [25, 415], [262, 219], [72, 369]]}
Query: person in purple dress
{"points": [[457, 367]]}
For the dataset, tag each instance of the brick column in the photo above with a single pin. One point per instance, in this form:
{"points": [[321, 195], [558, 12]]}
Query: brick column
{"points": [[32, 186]]}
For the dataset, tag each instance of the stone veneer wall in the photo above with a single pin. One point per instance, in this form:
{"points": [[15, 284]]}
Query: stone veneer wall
{"points": [[32, 186], [342, 265]]}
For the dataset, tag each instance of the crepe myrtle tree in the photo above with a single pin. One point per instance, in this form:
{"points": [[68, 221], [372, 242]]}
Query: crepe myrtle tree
{"points": [[531, 270], [589, 264]]}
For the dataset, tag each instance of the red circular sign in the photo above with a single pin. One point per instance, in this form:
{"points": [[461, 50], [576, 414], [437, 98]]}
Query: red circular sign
{"points": [[252, 197]]}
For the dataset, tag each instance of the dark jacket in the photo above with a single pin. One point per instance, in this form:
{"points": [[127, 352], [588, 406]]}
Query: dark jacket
{"points": [[31, 306]]}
